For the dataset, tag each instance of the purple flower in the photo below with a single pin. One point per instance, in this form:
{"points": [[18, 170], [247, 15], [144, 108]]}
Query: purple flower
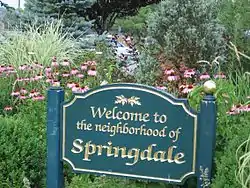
{"points": [[92, 72], [204, 76], [169, 71]]}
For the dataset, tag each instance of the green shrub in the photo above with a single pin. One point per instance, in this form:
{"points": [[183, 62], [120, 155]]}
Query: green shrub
{"points": [[23, 147], [90, 181], [5, 91], [238, 130], [86, 181], [188, 30], [148, 69], [235, 17]]}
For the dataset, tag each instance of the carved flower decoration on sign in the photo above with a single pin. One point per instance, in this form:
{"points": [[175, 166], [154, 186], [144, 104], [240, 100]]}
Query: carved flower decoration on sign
{"points": [[123, 100], [204, 177]]}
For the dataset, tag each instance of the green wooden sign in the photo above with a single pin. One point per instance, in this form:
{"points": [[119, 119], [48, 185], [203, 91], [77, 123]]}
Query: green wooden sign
{"points": [[134, 131]]}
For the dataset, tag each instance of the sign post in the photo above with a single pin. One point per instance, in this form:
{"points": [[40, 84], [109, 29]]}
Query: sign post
{"points": [[207, 136], [54, 163], [133, 131]]}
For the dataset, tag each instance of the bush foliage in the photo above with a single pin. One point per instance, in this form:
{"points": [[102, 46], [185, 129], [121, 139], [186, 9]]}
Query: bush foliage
{"points": [[23, 147], [188, 30]]}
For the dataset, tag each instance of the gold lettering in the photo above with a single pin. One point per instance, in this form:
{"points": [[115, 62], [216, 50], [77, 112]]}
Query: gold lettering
{"points": [[148, 152], [79, 125], [99, 149], [113, 115], [142, 130], [108, 113], [160, 156], [162, 133], [100, 114], [109, 149], [155, 132], [179, 156], [77, 147], [170, 154], [103, 128], [125, 116], [117, 115], [149, 132], [98, 127], [146, 117], [136, 154], [90, 149], [131, 130], [133, 154], [123, 151]]}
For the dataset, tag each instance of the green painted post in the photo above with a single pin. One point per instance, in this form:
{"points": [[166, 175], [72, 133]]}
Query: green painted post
{"points": [[54, 164], [207, 136]]}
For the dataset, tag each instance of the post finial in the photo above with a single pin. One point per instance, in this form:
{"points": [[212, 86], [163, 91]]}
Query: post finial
{"points": [[209, 87]]}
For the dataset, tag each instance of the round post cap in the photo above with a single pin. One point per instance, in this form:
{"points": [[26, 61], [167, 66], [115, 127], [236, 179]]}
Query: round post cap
{"points": [[209, 87]]}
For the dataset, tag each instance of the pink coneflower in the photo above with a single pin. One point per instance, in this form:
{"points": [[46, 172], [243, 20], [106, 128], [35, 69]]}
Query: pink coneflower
{"points": [[246, 108], [173, 78], [27, 79], [89, 63], [237, 108], [74, 71], [92, 72], [34, 93], [204, 76], [76, 88], [49, 80], [65, 63], [22, 96], [84, 67], [220, 76], [80, 75], [161, 87], [54, 63], [23, 67], [66, 74], [188, 89], [55, 83], [189, 73], [93, 63], [183, 86], [12, 72], [38, 98], [37, 65], [38, 77], [23, 91], [84, 89], [32, 79], [40, 66], [8, 108], [169, 71], [10, 68], [71, 85], [19, 79], [56, 73], [232, 112], [2, 68], [48, 69], [15, 93], [48, 74]]}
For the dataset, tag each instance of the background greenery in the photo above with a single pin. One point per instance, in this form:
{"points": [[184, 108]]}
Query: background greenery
{"points": [[207, 30]]}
